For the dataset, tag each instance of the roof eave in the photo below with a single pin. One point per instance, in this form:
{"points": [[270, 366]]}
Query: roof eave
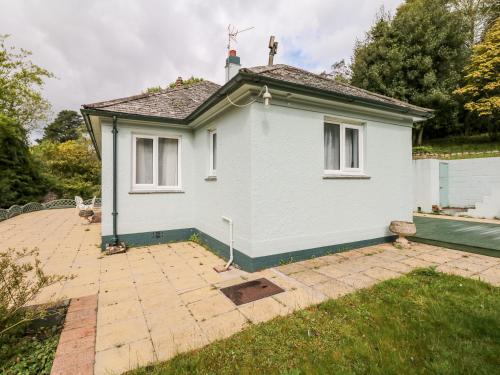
{"points": [[213, 99], [90, 130], [132, 116], [248, 77], [302, 89]]}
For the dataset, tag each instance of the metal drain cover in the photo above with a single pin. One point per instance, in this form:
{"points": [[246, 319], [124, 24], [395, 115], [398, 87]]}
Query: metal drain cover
{"points": [[251, 291]]}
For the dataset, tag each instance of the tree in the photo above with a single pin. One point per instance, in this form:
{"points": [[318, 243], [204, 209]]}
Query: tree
{"points": [[20, 84], [417, 56], [482, 82], [20, 179], [67, 126], [187, 82], [340, 72], [71, 167], [479, 15]]}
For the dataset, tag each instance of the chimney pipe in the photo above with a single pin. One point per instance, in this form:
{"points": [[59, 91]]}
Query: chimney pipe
{"points": [[179, 82], [232, 64]]}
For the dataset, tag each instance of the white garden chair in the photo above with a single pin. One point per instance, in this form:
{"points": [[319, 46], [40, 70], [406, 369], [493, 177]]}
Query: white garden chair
{"points": [[81, 206]]}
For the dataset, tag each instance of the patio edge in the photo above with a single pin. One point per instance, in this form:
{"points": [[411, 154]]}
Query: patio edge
{"points": [[76, 348]]}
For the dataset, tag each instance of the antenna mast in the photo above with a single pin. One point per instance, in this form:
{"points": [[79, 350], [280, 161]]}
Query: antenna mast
{"points": [[232, 33], [273, 49]]}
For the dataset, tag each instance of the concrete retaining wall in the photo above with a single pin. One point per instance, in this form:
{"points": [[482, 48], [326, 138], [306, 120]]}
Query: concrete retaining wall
{"points": [[469, 180]]}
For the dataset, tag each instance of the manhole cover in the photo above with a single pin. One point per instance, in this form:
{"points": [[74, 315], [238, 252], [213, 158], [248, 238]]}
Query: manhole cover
{"points": [[251, 291]]}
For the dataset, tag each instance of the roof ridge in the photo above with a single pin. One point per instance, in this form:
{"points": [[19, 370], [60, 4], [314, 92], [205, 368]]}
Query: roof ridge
{"points": [[126, 99], [264, 68], [348, 85]]}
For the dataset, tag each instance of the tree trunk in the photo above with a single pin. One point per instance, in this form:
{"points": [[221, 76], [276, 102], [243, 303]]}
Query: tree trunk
{"points": [[420, 135]]}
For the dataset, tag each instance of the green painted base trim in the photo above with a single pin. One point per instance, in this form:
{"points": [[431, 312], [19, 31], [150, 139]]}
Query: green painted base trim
{"points": [[295, 256], [240, 259], [151, 238], [456, 246], [222, 250]]}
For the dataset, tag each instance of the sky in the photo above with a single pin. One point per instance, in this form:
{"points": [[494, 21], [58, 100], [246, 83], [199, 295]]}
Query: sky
{"points": [[106, 49]]}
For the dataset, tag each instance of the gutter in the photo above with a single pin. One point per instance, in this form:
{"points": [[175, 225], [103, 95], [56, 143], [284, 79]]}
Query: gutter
{"points": [[88, 126], [130, 116]]}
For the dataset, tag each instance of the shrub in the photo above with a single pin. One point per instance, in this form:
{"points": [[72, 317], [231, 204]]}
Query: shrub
{"points": [[21, 279], [422, 150]]}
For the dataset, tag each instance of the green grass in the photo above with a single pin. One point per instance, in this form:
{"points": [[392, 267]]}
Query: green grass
{"points": [[480, 144], [422, 323]]}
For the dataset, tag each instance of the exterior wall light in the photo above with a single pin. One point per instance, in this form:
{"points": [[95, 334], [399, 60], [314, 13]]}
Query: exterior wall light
{"points": [[266, 96]]}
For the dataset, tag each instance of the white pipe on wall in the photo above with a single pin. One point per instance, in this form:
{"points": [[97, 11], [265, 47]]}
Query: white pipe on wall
{"points": [[230, 222]]}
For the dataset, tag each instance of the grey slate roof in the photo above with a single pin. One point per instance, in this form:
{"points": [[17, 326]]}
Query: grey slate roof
{"points": [[298, 76], [176, 102], [179, 102]]}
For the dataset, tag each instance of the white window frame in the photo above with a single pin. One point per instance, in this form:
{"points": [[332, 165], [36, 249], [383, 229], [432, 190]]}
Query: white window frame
{"points": [[211, 171], [343, 169], [154, 186]]}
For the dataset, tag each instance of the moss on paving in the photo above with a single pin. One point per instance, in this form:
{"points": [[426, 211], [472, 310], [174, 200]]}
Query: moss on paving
{"points": [[425, 322]]}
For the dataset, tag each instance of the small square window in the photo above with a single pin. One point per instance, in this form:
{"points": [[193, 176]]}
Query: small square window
{"points": [[343, 148], [156, 164]]}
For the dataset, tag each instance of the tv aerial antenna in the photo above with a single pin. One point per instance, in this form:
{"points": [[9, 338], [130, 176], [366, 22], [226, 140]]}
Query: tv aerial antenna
{"points": [[232, 33]]}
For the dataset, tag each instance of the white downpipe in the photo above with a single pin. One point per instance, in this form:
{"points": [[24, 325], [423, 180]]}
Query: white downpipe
{"points": [[231, 241]]}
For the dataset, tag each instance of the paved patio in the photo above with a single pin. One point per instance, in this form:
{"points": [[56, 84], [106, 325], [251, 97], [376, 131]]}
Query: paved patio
{"points": [[156, 301]]}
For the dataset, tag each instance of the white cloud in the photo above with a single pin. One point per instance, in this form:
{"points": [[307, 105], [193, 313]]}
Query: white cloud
{"points": [[104, 49]]}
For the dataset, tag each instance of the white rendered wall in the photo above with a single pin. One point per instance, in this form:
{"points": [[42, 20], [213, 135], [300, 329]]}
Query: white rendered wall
{"points": [[294, 208], [229, 195], [269, 182], [425, 184], [470, 180], [139, 213]]}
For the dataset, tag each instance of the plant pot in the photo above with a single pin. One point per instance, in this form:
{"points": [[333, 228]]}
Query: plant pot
{"points": [[403, 229]]}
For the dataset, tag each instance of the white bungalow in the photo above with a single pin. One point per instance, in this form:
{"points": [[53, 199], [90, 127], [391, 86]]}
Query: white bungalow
{"points": [[281, 163]]}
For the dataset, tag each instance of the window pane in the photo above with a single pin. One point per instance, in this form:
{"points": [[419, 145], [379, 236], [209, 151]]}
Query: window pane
{"points": [[351, 148], [214, 151], [144, 161], [332, 147], [168, 150]]}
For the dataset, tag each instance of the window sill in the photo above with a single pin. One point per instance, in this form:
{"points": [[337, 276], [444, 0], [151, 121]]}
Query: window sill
{"points": [[346, 176], [211, 178], [155, 191]]}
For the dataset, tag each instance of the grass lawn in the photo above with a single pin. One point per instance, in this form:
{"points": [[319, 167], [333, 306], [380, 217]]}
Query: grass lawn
{"points": [[422, 323]]}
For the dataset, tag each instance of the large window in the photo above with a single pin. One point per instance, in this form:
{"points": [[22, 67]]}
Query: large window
{"points": [[156, 164], [213, 153], [343, 148]]}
